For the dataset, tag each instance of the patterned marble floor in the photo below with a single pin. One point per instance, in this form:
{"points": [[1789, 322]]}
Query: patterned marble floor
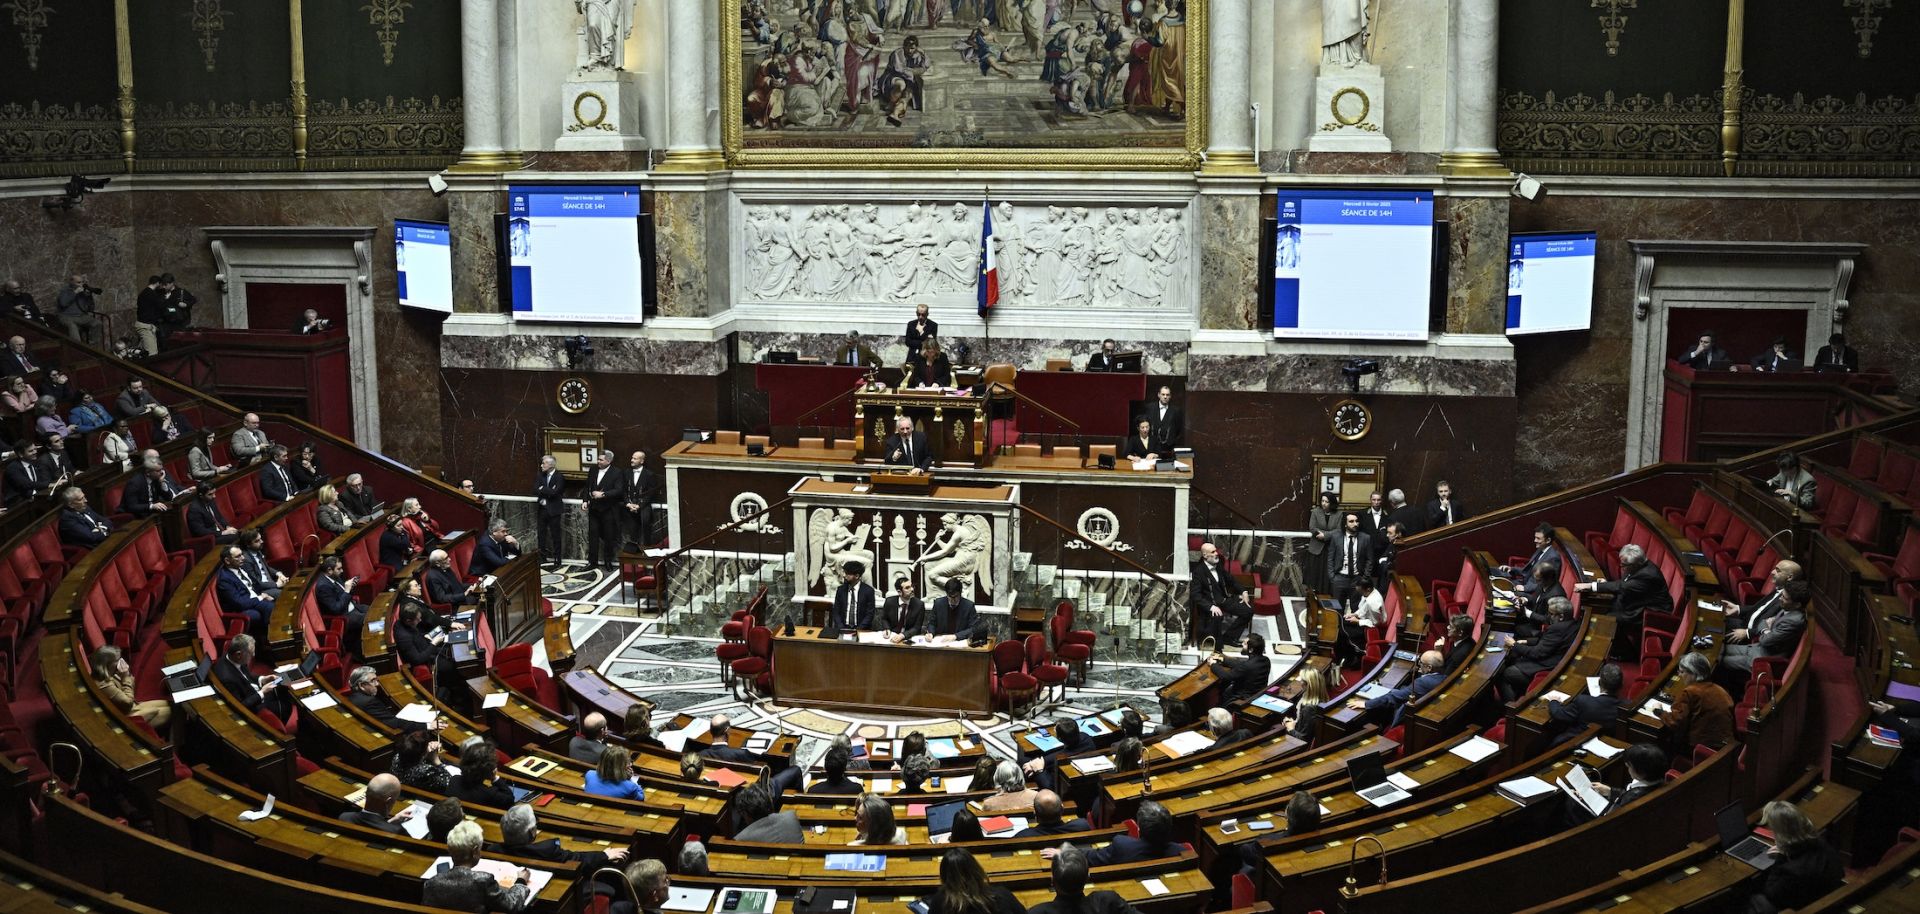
{"points": [[679, 673]]}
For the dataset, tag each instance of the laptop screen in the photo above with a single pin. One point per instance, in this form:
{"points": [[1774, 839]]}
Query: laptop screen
{"points": [[1366, 770], [1732, 822], [940, 818]]}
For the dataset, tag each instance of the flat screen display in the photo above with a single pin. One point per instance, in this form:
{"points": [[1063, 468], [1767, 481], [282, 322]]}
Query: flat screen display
{"points": [[1549, 282], [1352, 264], [573, 252], [423, 264]]}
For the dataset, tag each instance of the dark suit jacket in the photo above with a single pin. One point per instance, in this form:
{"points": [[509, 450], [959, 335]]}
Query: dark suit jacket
{"points": [[1168, 432], [1099, 362], [920, 374], [1396, 700], [915, 335], [1552, 643], [1783, 636], [395, 549], [1536, 611], [1638, 592], [203, 518], [18, 487], [846, 786], [895, 451], [1242, 677], [1132, 446], [489, 554], [276, 483], [1580, 712], [1767, 361], [861, 597], [1063, 827], [548, 489], [83, 528], [777, 828], [143, 496], [445, 588], [861, 355], [1458, 652], [551, 851], [1712, 359], [332, 596], [611, 486], [1808, 872], [1127, 849], [1436, 519], [1846, 355], [1412, 520], [371, 820], [582, 749], [54, 464], [358, 504], [1336, 554], [1208, 588], [414, 646], [496, 794], [957, 621], [1369, 525], [379, 707], [894, 618], [238, 682], [641, 493], [234, 597], [1101, 902]]}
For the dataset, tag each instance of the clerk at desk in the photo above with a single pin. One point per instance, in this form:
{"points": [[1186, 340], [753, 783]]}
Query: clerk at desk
{"points": [[852, 603], [856, 352], [953, 617], [908, 448]]}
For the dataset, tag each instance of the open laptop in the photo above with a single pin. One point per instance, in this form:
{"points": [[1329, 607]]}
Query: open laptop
{"points": [[1740, 842], [1369, 775], [940, 818], [191, 679]]}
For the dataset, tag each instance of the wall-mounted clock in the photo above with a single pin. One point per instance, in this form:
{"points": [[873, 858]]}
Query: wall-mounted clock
{"points": [[574, 394], [1352, 420]]}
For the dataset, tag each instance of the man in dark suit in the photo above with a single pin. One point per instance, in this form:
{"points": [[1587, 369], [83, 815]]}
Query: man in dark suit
{"points": [[1217, 599], [1773, 635], [1836, 355], [1049, 817], [311, 322], [549, 489], [920, 328], [234, 670], [588, 745], [1169, 423], [493, 549], [1220, 727], [1444, 509], [1139, 445], [444, 585], [1155, 841], [1245, 677], [376, 811], [903, 612], [1070, 885], [1428, 674], [637, 505], [605, 492], [719, 736], [15, 359], [519, 837], [1525, 658], [1104, 359], [56, 462], [1530, 602], [1639, 588], [79, 524], [836, 781], [1349, 558], [334, 592], [1412, 520], [1646, 770], [953, 617], [852, 603], [1374, 519], [135, 401], [1777, 357], [1566, 720], [1741, 620], [23, 476], [856, 353], [1387, 548], [1704, 354], [237, 591], [908, 448], [1044, 768], [1543, 547], [357, 498], [363, 686], [276, 480], [203, 519], [149, 493]]}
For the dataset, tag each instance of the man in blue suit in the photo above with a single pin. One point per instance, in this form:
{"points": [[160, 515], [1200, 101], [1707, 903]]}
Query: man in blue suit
{"points": [[493, 550], [1155, 841], [81, 525], [334, 592], [276, 483], [1428, 675], [236, 590]]}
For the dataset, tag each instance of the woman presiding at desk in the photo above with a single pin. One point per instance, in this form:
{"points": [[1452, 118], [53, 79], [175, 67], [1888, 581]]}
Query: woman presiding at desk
{"points": [[927, 368]]}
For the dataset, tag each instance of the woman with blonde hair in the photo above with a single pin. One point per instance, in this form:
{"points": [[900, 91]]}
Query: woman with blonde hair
{"points": [[1808, 867], [614, 776], [1305, 719], [329, 515], [873, 822], [115, 679]]}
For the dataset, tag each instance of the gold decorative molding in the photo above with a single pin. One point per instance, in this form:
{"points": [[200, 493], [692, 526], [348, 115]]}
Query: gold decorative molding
{"points": [[56, 139], [297, 82], [217, 136], [1474, 165], [32, 16], [386, 17], [123, 62], [735, 153], [1731, 89], [1613, 23], [1580, 126], [1866, 21], [208, 19], [370, 134], [1797, 135]]}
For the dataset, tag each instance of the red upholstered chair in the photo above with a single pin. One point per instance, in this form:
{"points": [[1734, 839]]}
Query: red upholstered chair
{"points": [[1046, 674], [279, 547], [639, 574], [1076, 654], [1696, 512], [1903, 566], [1243, 893], [1013, 687], [157, 560], [514, 664], [756, 669]]}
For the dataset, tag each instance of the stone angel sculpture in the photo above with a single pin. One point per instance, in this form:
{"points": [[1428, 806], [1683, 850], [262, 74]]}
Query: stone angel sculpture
{"points": [[832, 536], [962, 549]]}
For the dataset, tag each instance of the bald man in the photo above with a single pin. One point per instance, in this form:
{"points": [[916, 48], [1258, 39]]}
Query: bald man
{"points": [[1049, 817], [376, 811], [591, 742], [1430, 672]]}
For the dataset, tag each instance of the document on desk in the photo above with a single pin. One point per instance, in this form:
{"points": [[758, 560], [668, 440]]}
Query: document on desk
{"points": [[957, 783], [318, 701], [1045, 742], [1476, 749], [1599, 749], [1556, 695], [1155, 887], [1094, 764], [255, 815], [1654, 707], [494, 700], [1272, 703], [419, 713], [943, 748], [1524, 791], [191, 694], [415, 824], [874, 638], [1186, 742]]}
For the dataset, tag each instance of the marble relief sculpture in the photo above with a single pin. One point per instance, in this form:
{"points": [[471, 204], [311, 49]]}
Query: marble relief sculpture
{"points": [[963, 549], [1113, 256]]}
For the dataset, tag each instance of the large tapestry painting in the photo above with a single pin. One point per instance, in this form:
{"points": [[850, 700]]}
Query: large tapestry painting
{"points": [[946, 82]]}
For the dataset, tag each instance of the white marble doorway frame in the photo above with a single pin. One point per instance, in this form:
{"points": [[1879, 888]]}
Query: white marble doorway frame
{"points": [[321, 255], [1757, 275]]}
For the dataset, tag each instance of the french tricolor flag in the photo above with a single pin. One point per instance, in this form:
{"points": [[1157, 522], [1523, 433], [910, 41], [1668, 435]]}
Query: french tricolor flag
{"points": [[989, 287]]}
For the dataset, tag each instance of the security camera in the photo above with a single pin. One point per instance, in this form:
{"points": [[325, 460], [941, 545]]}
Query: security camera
{"points": [[77, 187], [1527, 188], [437, 184], [1356, 368]]}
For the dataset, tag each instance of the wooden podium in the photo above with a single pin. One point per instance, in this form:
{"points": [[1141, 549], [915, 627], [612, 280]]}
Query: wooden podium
{"points": [[955, 425]]}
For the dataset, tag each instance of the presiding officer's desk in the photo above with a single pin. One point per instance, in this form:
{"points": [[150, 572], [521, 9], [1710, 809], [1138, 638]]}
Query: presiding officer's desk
{"points": [[823, 671]]}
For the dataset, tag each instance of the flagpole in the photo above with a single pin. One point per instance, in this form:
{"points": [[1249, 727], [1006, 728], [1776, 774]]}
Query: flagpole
{"points": [[986, 325]]}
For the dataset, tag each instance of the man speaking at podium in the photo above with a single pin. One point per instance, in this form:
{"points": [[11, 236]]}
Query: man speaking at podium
{"points": [[908, 448]]}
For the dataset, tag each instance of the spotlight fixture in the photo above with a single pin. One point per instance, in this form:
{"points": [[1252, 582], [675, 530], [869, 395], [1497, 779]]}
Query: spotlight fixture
{"points": [[579, 348], [437, 184], [1355, 368], [77, 188], [1528, 188]]}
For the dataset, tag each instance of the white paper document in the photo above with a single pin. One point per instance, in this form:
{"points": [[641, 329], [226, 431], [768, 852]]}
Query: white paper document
{"points": [[1187, 742], [419, 713], [172, 669], [1576, 785], [1403, 782], [499, 869], [1599, 749], [1476, 749], [1155, 887], [255, 815], [1556, 695], [1593, 685], [1094, 764], [958, 783], [415, 823], [193, 693], [494, 700], [318, 701]]}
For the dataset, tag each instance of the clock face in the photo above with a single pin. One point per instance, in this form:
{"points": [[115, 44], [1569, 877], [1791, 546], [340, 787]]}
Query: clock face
{"points": [[1352, 420], [575, 395]]}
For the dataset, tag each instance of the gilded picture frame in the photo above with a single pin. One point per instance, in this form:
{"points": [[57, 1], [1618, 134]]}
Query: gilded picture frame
{"points": [[741, 152]]}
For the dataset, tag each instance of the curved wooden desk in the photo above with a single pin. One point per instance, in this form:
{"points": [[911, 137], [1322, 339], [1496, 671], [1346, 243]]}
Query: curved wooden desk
{"points": [[885, 677]]}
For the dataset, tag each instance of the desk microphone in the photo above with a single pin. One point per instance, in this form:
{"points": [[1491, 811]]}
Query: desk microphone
{"points": [[1791, 544]]}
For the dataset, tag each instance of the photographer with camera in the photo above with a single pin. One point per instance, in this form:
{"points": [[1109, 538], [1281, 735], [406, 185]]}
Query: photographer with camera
{"points": [[312, 322], [77, 308]]}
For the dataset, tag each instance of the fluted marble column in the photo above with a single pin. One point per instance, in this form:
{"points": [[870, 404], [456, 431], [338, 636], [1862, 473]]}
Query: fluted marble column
{"points": [[1475, 35], [1229, 118], [480, 87], [689, 71]]}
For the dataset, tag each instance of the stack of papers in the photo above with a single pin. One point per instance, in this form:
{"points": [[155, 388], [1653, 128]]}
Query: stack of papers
{"points": [[943, 748], [1525, 791], [1186, 743], [318, 701], [1883, 736], [958, 783], [1654, 707], [1272, 703], [1600, 749], [494, 700], [1043, 741], [1556, 695], [418, 713], [1476, 749], [1094, 764]]}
